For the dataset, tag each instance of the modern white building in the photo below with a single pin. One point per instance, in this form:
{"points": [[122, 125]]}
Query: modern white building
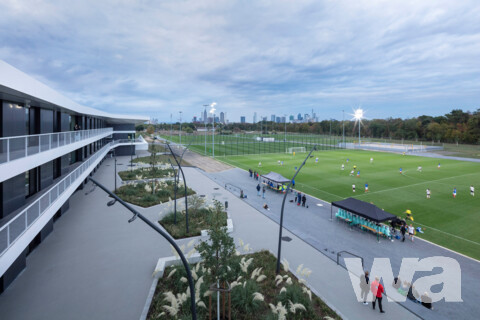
{"points": [[48, 146]]}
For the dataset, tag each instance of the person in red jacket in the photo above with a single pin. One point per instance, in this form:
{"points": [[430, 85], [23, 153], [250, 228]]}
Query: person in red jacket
{"points": [[377, 290]]}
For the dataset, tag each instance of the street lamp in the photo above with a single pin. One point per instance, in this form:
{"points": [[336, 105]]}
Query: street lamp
{"points": [[171, 125], [163, 234], [285, 139], [212, 111], [180, 126], [283, 206]]}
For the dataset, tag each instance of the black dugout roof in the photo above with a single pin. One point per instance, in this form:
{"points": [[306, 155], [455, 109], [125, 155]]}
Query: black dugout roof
{"points": [[364, 209], [275, 177]]}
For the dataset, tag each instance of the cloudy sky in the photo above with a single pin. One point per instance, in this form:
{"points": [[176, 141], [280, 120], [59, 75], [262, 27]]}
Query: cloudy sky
{"points": [[156, 58]]}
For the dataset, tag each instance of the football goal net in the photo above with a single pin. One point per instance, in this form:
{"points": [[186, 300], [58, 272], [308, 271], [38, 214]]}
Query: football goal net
{"points": [[296, 150]]}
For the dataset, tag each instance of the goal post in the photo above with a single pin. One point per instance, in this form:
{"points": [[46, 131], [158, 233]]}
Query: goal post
{"points": [[292, 150]]}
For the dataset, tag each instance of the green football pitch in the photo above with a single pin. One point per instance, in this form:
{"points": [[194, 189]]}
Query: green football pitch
{"points": [[450, 222]]}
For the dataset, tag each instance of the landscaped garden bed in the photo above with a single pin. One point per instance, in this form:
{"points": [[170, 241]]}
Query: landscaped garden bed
{"points": [[141, 194], [198, 220], [146, 173], [258, 293], [253, 289]]}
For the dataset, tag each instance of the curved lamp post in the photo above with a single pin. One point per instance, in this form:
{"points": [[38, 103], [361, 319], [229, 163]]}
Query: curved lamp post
{"points": [[184, 183], [281, 212], [163, 234], [176, 178]]}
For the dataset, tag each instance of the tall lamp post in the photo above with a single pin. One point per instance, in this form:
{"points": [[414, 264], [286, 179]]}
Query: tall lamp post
{"points": [[171, 125], [212, 111], [163, 234], [285, 122], [184, 183], [283, 206], [205, 123], [180, 126], [358, 115], [343, 128]]}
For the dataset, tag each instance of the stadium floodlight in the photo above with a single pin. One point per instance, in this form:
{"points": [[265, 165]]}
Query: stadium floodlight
{"points": [[212, 111], [358, 115]]}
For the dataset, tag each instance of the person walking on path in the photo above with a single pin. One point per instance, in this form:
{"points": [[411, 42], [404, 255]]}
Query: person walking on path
{"points": [[250, 172], [263, 192], [299, 198], [364, 279], [377, 290], [403, 230], [304, 199], [254, 175], [296, 197], [258, 189]]}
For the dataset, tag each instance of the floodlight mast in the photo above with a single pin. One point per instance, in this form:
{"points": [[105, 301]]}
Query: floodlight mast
{"points": [[359, 116], [212, 111]]}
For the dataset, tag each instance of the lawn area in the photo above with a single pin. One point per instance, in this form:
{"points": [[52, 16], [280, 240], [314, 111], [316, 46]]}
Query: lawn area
{"points": [[161, 159], [452, 223], [197, 221], [244, 306], [145, 173], [141, 194]]}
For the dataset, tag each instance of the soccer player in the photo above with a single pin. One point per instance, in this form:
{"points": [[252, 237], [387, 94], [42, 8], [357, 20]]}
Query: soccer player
{"points": [[343, 167], [438, 167], [358, 174], [348, 160], [366, 187], [419, 168], [259, 164], [352, 173], [472, 191], [278, 162], [316, 160], [353, 187], [371, 160], [354, 167], [281, 163], [428, 193], [400, 170], [454, 193], [409, 214]]}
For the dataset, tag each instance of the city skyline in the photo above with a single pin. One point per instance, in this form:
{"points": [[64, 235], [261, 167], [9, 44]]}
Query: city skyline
{"points": [[393, 59]]}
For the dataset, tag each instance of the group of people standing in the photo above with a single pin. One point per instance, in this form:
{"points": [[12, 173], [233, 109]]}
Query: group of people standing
{"points": [[300, 198], [253, 174]]}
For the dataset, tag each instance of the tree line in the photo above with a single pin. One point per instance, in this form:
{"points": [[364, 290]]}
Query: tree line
{"points": [[455, 127]]}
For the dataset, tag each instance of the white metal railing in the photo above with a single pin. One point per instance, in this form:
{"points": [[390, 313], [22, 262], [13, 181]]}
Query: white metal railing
{"points": [[14, 228], [13, 148]]}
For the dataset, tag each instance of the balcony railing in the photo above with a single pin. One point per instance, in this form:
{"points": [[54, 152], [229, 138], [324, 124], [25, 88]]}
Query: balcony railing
{"points": [[11, 231], [14, 148]]}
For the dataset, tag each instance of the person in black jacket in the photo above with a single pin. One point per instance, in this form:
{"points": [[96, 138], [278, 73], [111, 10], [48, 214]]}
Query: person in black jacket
{"points": [[403, 230], [364, 280], [304, 199], [258, 189]]}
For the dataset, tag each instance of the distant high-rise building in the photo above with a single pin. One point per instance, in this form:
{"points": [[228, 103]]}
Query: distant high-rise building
{"points": [[277, 119], [254, 117], [284, 119], [292, 117], [195, 119], [222, 117], [272, 118], [242, 119], [299, 117], [264, 118]]}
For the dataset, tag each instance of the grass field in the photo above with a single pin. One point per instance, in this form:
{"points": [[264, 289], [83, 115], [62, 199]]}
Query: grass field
{"points": [[452, 223]]}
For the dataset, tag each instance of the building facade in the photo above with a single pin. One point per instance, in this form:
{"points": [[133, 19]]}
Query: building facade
{"points": [[49, 145]]}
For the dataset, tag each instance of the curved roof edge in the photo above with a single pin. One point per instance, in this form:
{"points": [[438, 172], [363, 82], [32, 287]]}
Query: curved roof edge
{"points": [[16, 80]]}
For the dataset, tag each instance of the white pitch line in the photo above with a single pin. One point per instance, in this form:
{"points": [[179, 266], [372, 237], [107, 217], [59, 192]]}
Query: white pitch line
{"points": [[415, 184]]}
